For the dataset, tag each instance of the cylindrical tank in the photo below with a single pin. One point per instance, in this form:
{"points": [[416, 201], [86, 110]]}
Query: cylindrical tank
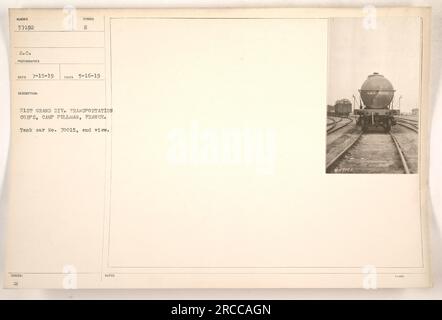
{"points": [[376, 92]]}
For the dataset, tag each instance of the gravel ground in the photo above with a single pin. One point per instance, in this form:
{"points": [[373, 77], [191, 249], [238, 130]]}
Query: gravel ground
{"points": [[373, 153], [408, 140], [337, 141]]}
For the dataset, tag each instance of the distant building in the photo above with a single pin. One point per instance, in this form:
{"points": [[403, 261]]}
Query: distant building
{"points": [[330, 109], [415, 111]]}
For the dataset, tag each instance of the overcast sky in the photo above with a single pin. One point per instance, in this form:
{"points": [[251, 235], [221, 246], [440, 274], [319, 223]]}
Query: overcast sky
{"points": [[392, 49]]}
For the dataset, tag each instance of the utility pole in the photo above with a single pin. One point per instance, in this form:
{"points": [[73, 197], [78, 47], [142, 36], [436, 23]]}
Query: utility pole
{"points": [[354, 103], [400, 97]]}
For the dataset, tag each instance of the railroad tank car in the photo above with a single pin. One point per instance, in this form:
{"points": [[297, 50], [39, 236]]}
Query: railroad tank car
{"points": [[343, 108], [377, 94], [330, 110]]}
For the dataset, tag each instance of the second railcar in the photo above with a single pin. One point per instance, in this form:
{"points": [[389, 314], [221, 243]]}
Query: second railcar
{"points": [[343, 108]]}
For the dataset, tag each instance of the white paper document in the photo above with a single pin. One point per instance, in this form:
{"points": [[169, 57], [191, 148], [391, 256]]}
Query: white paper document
{"points": [[218, 148]]}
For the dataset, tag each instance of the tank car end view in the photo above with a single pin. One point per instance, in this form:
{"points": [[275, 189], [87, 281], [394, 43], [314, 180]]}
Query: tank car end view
{"points": [[376, 109]]}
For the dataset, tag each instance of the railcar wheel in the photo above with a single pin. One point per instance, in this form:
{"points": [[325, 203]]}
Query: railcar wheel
{"points": [[388, 126], [363, 125]]}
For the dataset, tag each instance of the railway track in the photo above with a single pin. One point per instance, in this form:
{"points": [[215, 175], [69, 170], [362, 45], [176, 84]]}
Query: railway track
{"points": [[408, 119], [332, 122], [408, 123], [370, 153], [332, 127]]}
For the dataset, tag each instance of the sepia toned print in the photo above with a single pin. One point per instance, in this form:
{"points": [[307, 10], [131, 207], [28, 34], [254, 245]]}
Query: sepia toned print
{"points": [[373, 96], [185, 148]]}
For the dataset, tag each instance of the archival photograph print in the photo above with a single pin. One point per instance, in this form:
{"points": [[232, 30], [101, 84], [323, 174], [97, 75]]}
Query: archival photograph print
{"points": [[373, 95]]}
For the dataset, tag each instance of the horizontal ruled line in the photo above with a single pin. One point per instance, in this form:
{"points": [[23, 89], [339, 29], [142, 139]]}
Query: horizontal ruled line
{"points": [[36, 80], [214, 273], [74, 63], [58, 31], [37, 47]]}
